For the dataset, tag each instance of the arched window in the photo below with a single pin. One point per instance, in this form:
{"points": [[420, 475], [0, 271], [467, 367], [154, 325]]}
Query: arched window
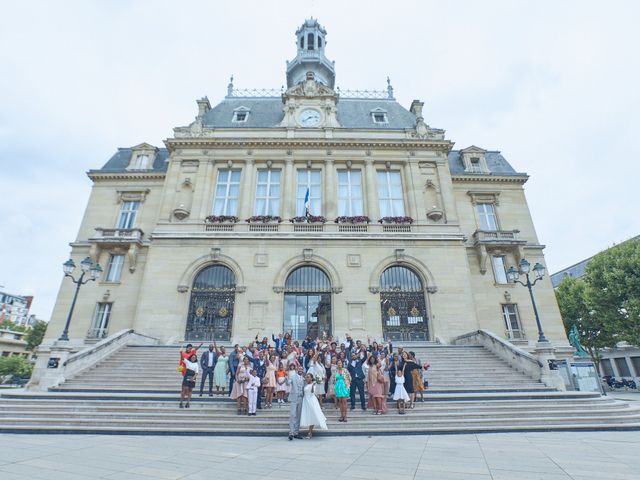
{"points": [[402, 304], [211, 307], [307, 303], [310, 41], [319, 42], [302, 41]]}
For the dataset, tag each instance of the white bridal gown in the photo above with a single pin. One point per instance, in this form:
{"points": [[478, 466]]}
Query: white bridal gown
{"points": [[311, 411]]}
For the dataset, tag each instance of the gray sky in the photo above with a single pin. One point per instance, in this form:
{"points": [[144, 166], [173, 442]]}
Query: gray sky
{"points": [[554, 85]]}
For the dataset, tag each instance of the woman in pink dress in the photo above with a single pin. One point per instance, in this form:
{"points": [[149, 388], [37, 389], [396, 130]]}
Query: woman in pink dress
{"points": [[269, 384], [239, 390], [331, 392], [375, 383]]}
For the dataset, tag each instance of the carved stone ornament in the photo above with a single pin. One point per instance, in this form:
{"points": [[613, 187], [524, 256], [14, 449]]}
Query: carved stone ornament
{"points": [[181, 213], [336, 289], [432, 289], [310, 88], [435, 214], [241, 289], [132, 255], [106, 295], [183, 289], [307, 254], [399, 254], [507, 296], [215, 253], [374, 289], [278, 289]]}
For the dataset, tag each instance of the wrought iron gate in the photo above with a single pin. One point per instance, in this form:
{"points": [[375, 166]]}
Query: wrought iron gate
{"points": [[403, 307], [211, 307]]}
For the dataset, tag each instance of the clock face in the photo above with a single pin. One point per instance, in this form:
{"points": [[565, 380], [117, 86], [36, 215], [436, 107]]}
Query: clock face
{"points": [[309, 118]]}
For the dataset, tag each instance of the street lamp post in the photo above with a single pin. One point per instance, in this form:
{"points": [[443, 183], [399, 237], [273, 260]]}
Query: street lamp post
{"points": [[524, 269], [86, 266]]}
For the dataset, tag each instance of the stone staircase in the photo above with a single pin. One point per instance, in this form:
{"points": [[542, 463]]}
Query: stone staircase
{"points": [[470, 390]]}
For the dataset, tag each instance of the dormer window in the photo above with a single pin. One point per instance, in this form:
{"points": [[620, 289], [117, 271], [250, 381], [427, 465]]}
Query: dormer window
{"points": [[240, 115], [475, 166], [141, 162], [379, 116]]}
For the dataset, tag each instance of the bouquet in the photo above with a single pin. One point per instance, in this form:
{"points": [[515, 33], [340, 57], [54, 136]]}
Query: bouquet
{"points": [[318, 379]]}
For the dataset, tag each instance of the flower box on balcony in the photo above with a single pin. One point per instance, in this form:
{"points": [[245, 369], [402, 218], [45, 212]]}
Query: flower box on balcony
{"points": [[353, 220], [264, 219], [397, 220], [309, 219], [221, 219]]}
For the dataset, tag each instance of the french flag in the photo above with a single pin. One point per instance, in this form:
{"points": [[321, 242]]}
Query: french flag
{"points": [[307, 203]]}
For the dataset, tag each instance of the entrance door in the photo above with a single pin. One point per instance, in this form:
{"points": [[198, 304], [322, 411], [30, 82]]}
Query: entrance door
{"points": [[307, 303], [210, 313], [403, 307]]}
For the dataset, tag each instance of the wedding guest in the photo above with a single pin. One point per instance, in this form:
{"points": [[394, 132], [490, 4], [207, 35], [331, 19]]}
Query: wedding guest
{"points": [[281, 382], [234, 361], [208, 363], [260, 367], [239, 391], [341, 386], [400, 395], [317, 371], [408, 367], [253, 386], [184, 355], [375, 385], [311, 414], [192, 368], [221, 370], [270, 380], [357, 380]]}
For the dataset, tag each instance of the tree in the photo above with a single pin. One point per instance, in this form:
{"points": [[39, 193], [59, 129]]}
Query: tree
{"points": [[9, 325], [596, 331], [15, 365], [613, 289], [36, 334]]}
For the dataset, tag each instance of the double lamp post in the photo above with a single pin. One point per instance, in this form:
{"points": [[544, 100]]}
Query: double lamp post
{"points": [[86, 267], [524, 268]]}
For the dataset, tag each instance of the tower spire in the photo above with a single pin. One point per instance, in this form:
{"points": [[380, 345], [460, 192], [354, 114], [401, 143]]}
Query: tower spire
{"points": [[311, 41]]}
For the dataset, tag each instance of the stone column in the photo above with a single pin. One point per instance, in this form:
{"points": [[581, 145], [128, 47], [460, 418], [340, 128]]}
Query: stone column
{"points": [[208, 184], [372, 209], [330, 192], [287, 189], [247, 190], [417, 183], [409, 190]]}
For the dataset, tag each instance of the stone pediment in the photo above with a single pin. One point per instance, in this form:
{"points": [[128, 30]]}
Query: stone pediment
{"points": [[144, 146], [473, 149]]}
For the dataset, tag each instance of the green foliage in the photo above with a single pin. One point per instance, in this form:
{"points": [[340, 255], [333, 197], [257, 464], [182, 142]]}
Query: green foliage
{"points": [[605, 304], [613, 289], [9, 325], [14, 365], [36, 334]]}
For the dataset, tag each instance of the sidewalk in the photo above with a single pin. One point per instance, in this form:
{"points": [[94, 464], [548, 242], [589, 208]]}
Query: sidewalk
{"points": [[504, 456]]}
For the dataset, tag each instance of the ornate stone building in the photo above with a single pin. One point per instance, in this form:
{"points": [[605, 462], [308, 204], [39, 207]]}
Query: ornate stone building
{"points": [[309, 210]]}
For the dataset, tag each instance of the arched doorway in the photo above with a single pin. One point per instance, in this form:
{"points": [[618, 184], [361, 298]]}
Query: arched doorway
{"points": [[307, 303], [404, 310], [211, 307]]}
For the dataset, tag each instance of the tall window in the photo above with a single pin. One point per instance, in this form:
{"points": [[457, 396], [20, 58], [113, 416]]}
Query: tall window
{"points": [[114, 269], [128, 214], [141, 162], [499, 269], [310, 41], [349, 193], [390, 194], [312, 180], [268, 193], [227, 189], [474, 165], [487, 216], [512, 320], [100, 323]]}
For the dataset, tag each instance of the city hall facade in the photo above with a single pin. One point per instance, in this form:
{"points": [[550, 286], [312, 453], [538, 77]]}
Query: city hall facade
{"points": [[311, 210]]}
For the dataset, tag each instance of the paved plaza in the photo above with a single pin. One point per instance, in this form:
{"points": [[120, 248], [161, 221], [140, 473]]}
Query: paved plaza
{"points": [[508, 456]]}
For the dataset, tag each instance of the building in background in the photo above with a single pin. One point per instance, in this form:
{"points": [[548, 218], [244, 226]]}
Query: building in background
{"points": [[15, 308], [312, 209], [622, 361], [13, 344]]}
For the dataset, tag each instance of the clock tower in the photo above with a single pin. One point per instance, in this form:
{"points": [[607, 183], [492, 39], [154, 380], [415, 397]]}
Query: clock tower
{"points": [[310, 100]]}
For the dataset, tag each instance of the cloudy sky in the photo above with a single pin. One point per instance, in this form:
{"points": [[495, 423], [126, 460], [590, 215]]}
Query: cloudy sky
{"points": [[554, 85]]}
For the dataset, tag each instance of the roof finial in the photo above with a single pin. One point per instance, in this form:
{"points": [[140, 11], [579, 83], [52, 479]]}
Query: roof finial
{"points": [[389, 88], [230, 87]]}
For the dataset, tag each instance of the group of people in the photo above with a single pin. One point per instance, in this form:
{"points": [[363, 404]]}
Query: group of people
{"points": [[306, 375]]}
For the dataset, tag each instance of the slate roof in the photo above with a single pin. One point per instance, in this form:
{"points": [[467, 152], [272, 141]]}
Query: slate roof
{"points": [[120, 161], [496, 164], [266, 112]]}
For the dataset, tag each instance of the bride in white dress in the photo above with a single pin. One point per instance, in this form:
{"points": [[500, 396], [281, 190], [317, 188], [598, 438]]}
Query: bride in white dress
{"points": [[311, 415]]}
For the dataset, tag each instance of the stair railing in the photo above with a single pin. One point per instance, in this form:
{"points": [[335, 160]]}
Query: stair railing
{"points": [[516, 357]]}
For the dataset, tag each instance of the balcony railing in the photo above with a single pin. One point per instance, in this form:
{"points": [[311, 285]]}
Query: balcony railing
{"points": [[97, 333], [118, 235], [497, 237]]}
